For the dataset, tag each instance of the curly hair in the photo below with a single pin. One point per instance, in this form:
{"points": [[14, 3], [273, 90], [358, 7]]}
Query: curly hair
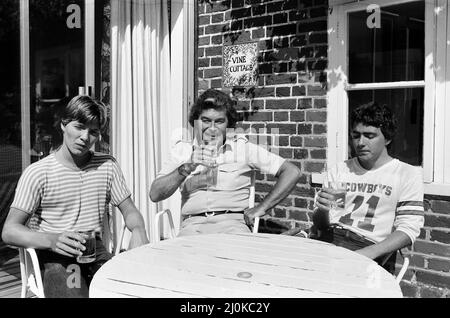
{"points": [[214, 99], [372, 114]]}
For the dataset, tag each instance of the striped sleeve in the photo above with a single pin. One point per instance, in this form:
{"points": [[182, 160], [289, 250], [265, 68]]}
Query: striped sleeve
{"points": [[409, 214], [410, 208], [119, 189], [29, 190]]}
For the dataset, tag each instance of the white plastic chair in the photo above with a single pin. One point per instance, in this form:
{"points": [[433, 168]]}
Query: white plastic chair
{"points": [[173, 234], [109, 228], [30, 273], [402, 272], [404, 267], [118, 247]]}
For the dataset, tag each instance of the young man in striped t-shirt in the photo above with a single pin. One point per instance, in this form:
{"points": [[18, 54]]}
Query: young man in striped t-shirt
{"points": [[383, 208], [66, 192]]}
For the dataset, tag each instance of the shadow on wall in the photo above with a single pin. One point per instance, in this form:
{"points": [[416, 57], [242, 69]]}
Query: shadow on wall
{"points": [[287, 51], [273, 226]]}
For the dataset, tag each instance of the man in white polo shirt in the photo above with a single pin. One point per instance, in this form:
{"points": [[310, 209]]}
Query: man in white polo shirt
{"points": [[66, 192], [214, 172]]}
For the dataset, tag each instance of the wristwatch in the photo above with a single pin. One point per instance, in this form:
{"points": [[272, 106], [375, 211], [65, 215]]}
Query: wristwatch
{"points": [[183, 170]]}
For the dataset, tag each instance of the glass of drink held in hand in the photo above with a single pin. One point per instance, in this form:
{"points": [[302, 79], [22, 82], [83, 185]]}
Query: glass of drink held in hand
{"points": [[211, 148], [90, 252], [339, 191]]}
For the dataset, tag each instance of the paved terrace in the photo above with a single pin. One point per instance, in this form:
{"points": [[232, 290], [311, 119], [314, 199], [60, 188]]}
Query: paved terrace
{"points": [[9, 272]]}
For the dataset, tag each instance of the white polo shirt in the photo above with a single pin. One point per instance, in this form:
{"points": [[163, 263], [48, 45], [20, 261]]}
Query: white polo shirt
{"points": [[226, 187]]}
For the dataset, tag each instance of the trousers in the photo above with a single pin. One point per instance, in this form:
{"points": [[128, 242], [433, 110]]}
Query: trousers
{"points": [[64, 277], [222, 223], [340, 236]]}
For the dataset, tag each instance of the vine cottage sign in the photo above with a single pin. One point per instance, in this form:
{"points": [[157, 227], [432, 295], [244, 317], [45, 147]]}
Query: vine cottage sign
{"points": [[240, 65]]}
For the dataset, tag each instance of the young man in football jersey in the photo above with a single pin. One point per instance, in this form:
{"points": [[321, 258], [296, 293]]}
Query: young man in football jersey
{"points": [[67, 192], [383, 209]]}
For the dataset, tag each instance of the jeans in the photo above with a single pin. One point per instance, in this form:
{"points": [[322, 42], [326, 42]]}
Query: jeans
{"points": [[63, 277], [352, 241]]}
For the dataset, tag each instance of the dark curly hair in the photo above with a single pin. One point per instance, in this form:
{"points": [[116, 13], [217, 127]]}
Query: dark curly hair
{"points": [[372, 114], [214, 99]]}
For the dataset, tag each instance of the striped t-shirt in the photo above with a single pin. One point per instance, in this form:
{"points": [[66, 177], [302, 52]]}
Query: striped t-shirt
{"points": [[62, 199]]}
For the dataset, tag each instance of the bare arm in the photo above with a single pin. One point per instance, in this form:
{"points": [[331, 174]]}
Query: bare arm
{"points": [[164, 186], [395, 241], [134, 222], [288, 176], [17, 234]]}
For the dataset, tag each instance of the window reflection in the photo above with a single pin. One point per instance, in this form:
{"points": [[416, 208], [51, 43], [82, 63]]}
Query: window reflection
{"points": [[393, 52], [10, 108], [407, 105], [57, 68]]}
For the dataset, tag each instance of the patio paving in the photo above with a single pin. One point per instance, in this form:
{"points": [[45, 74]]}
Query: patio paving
{"points": [[9, 273]]}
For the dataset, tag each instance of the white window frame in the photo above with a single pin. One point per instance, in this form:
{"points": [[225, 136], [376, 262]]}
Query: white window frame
{"points": [[182, 65], [89, 45], [25, 81], [436, 147]]}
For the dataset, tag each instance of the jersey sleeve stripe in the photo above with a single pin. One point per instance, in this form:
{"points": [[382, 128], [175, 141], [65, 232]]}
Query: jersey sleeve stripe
{"points": [[410, 203], [410, 212], [415, 208]]}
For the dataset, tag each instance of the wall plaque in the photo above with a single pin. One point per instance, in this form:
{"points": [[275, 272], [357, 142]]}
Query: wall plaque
{"points": [[240, 65]]}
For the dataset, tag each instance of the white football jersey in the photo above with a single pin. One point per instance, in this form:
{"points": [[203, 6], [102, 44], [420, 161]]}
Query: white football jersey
{"points": [[380, 201]]}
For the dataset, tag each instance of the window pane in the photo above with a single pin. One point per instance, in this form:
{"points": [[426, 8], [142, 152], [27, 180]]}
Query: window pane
{"points": [[56, 64], [10, 108], [407, 104], [393, 52]]}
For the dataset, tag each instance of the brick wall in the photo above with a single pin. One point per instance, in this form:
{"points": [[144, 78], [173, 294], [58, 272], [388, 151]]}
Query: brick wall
{"points": [[428, 273], [291, 97]]}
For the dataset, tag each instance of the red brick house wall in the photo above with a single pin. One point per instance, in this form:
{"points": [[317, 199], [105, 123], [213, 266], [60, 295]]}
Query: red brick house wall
{"points": [[291, 97]]}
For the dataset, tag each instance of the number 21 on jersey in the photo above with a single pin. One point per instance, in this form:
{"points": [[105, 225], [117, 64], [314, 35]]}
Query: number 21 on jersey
{"points": [[371, 206]]}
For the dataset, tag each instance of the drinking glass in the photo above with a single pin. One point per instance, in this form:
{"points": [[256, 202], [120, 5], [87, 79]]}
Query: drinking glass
{"points": [[211, 147], [211, 173], [90, 252], [324, 184], [321, 220], [339, 191]]}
